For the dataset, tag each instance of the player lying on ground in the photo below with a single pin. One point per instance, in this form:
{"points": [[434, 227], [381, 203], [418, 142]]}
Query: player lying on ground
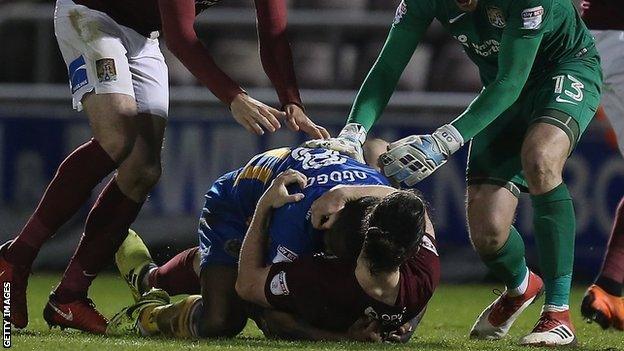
{"points": [[390, 279], [603, 301], [542, 80], [118, 74], [222, 228]]}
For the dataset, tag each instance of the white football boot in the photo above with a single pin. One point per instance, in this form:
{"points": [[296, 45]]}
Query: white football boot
{"points": [[554, 328]]}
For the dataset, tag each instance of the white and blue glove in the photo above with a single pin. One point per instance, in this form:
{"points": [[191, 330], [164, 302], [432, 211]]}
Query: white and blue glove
{"points": [[349, 142], [412, 159]]}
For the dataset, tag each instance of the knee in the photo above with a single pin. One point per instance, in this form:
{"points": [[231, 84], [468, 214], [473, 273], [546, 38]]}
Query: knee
{"points": [[540, 168], [488, 227], [148, 176], [118, 144], [222, 326]]}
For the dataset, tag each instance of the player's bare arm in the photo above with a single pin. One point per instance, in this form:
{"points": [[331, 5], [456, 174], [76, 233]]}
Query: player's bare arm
{"points": [[252, 270]]}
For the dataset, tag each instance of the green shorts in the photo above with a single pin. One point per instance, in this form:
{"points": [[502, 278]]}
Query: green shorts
{"points": [[566, 97]]}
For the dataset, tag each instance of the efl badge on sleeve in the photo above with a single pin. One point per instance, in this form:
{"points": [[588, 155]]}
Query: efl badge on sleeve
{"points": [[532, 18], [495, 16], [278, 285], [106, 71]]}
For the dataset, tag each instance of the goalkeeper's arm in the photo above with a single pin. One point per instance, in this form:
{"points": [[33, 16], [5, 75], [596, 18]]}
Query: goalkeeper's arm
{"points": [[515, 61]]}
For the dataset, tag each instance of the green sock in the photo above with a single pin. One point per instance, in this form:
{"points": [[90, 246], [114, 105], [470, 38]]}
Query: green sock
{"points": [[508, 263], [555, 227]]}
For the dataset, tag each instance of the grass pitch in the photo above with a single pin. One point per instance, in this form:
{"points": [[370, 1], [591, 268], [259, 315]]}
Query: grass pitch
{"points": [[445, 327]]}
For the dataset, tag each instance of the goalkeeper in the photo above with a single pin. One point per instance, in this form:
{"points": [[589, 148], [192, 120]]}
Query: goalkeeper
{"points": [[541, 76]]}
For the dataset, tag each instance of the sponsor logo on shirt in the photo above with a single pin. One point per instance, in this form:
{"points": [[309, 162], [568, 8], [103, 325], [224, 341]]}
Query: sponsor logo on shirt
{"points": [[400, 12], [106, 71], [77, 74], [485, 49], [278, 284], [532, 17], [284, 254], [385, 318], [495, 16]]}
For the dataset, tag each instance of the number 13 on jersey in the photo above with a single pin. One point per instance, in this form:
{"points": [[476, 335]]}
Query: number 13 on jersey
{"points": [[569, 89]]}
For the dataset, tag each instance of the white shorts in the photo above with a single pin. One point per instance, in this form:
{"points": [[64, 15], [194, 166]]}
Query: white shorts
{"points": [[610, 44], [105, 57]]}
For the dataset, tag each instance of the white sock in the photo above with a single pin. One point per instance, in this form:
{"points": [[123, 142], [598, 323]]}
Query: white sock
{"points": [[553, 308], [522, 288]]}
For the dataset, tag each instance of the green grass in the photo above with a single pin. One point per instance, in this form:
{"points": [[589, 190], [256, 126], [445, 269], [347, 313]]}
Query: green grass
{"points": [[445, 327]]}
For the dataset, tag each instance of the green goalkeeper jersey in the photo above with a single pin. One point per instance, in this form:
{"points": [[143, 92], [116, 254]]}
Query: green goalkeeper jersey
{"points": [[512, 42]]}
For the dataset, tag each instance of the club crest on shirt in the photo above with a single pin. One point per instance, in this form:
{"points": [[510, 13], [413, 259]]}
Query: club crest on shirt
{"points": [[106, 71], [495, 16], [400, 12], [532, 17], [278, 284]]}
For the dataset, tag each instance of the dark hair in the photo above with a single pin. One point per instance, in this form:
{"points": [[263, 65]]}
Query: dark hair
{"points": [[344, 239], [395, 228]]}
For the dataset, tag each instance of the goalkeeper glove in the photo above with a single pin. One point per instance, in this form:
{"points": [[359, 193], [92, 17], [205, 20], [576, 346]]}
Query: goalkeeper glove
{"points": [[349, 142], [412, 159]]}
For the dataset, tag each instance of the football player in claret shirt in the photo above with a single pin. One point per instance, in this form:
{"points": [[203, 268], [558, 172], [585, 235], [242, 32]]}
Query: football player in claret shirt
{"points": [[118, 75], [603, 301], [542, 80]]}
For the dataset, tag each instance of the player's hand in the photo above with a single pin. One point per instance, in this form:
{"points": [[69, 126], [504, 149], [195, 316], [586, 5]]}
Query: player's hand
{"points": [[254, 115], [412, 159], [325, 209], [401, 334], [365, 329], [296, 120], [349, 142], [277, 194]]}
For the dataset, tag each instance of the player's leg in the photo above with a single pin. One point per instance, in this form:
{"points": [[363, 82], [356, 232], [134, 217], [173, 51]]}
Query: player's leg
{"points": [[493, 187], [180, 275], [224, 313], [491, 210], [564, 104], [71, 187], [218, 312], [111, 110], [603, 301], [120, 202], [107, 226], [544, 152]]}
